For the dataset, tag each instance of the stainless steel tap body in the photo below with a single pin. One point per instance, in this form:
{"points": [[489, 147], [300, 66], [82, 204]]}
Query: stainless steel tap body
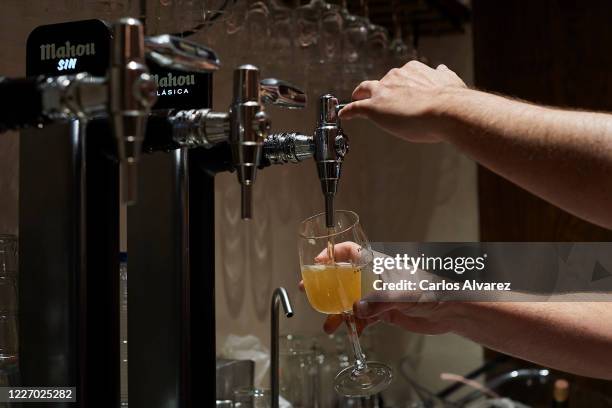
{"points": [[328, 146], [130, 98], [245, 126], [248, 127]]}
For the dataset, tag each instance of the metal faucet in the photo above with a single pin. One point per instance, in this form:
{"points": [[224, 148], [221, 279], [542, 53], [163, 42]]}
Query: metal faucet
{"points": [[129, 80], [279, 296], [249, 124], [330, 148], [130, 99], [329, 145], [126, 94], [245, 125]]}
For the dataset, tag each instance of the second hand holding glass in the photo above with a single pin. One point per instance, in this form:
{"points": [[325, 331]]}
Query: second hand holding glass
{"points": [[331, 261]]}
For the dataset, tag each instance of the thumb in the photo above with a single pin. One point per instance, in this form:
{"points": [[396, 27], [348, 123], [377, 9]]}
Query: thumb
{"points": [[357, 109]]}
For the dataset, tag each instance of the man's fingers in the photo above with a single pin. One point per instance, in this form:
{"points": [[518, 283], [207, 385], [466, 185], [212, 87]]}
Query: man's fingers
{"points": [[343, 252], [365, 90], [413, 324], [367, 310], [332, 323], [357, 109], [416, 65], [301, 286], [379, 302]]}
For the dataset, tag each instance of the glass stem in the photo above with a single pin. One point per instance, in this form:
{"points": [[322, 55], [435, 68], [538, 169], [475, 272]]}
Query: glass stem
{"points": [[360, 358]]}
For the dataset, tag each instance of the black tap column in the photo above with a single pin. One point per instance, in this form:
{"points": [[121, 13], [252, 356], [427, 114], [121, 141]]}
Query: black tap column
{"points": [[68, 234], [171, 313]]}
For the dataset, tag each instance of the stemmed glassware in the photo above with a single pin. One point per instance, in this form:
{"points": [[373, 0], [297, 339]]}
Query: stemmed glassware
{"points": [[377, 45], [354, 42], [332, 261], [398, 49], [337, 49], [319, 36]]}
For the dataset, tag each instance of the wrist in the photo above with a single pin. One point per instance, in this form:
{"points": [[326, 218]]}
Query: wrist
{"points": [[453, 315], [451, 110]]}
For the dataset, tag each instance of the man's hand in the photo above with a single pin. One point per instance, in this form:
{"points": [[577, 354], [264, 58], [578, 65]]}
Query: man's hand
{"points": [[408, 102], [406, 312], [403, 309]]}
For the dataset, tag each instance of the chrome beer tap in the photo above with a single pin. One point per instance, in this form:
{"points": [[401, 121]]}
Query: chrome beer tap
{"points": [[249, 124], [131, 91], [331, 145], [244, 126], [129, 72], [125, 95], [328, 146]]}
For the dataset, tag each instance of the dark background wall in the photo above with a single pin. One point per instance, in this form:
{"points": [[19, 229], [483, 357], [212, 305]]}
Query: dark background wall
{"points": [[555, 52]]}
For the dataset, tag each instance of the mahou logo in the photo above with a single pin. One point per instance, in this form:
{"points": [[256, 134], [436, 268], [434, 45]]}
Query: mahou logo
{"points": [[177, 84], [66, 53]]}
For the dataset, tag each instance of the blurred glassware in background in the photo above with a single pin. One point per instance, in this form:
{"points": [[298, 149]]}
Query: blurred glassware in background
{"points": [[299, 372], [319, 44], [9, 325], [322, 45], [102, 7], [399, 52], [236, 17], [258, 23], [252, 398], [377, 45], [354, 42], [312, 40], [308, 366], [282, 39]]}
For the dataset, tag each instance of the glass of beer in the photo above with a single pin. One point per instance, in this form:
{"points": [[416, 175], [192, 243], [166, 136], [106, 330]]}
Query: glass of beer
{"points": [[332, 261]]}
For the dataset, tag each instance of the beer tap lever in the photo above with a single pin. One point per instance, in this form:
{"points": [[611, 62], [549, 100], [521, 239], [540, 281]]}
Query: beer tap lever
{"points": [[244, 126], [331, 145], [131, 95], [178, 53], [249, 124], [277, 92], [328, 146]]}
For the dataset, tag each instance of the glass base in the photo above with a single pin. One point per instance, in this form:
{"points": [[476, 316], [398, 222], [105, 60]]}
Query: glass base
{"points": [[351, 382]]}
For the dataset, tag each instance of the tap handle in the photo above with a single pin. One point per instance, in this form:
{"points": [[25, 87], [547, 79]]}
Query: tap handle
{"points": [[131, 95], [180, 54], [277, 92], [330, 147]]}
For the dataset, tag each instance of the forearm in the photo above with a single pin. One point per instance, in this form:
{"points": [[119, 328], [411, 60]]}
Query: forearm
{"points": [[570, 336], [564, 157]]}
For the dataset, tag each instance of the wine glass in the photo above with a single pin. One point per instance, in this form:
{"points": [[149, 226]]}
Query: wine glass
{"points": [[332, 261], [399, 50], [319, 38], [354, 42], [377, 45]]}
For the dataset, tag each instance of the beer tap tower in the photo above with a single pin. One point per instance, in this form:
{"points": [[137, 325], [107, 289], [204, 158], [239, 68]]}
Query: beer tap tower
{"points": [[86, 81], [171, 231], [70, 193]]}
